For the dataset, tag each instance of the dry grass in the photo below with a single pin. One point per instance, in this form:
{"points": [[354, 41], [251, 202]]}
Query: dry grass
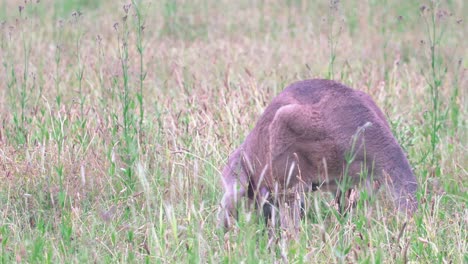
{"points": [[83, 180]]}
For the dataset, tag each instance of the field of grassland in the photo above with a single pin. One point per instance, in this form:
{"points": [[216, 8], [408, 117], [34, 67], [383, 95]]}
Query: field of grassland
{"points": [[117, 117]]}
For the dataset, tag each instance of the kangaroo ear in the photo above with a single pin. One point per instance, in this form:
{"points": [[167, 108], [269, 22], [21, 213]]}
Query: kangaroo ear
{"points": [[407, 201], [404, 193], [234, 170], [233, 163]]}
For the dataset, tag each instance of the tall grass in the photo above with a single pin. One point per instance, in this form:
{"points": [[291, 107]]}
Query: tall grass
{"points": [[435, 75], [115, 121], [333, 35]]}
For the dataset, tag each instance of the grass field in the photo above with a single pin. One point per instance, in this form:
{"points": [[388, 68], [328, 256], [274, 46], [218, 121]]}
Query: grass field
{"points": [[117, 117]]}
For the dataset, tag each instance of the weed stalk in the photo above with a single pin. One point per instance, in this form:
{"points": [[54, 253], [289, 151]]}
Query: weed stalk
{"points": [[436, 75]]}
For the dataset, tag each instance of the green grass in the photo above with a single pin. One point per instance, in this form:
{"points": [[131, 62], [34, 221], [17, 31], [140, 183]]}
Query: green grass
{"points": [[116, 120]]}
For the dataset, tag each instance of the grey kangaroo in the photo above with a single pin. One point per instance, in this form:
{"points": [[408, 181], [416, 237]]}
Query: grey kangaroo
{"points": [[303, 142]]}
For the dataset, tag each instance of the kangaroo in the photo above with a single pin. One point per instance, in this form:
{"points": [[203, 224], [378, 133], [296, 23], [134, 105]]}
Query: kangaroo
{"points": [[303, 142]]}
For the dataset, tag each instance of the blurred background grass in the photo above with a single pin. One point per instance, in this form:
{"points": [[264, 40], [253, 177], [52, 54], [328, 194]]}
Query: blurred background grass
{"points": [[116, 118]]}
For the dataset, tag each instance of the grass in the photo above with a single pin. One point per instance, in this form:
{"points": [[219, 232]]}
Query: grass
{"points": [[116, 119]]}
